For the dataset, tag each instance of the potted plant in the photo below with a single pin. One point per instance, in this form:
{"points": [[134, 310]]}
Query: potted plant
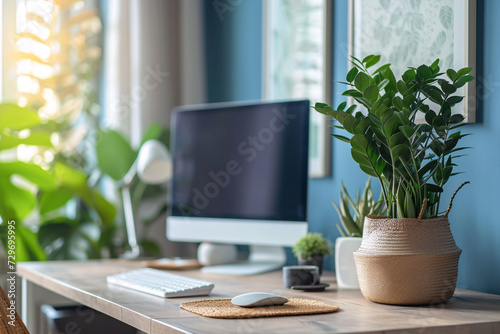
{"points": [[351, 229], [408, 257], [311, 249]]}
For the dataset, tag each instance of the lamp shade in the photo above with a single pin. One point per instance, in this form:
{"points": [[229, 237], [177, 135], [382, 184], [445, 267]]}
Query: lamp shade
{"points": [[154, 165]]}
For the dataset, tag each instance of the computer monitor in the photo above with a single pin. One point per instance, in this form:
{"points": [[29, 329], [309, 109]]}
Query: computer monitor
{"points": [[240, 174]]}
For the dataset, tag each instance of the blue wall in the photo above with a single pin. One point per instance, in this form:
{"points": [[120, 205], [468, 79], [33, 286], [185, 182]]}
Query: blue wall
{"points": [[234, 49], [234, 66]]}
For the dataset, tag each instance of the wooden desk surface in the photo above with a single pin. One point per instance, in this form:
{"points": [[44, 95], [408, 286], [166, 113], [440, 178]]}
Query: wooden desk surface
{"points": [[85, 283]]}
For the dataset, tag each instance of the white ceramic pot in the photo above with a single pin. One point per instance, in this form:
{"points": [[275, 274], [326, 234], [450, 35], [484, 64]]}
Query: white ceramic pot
{"points": [[345, 267]]}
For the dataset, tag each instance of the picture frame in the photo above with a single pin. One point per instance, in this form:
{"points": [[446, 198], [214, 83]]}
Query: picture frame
{"points": [[414, 32], [282, 76]]}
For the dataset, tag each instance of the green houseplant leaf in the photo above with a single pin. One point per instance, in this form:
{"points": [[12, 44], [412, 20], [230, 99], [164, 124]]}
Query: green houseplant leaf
{"points": [[412, 161], [114, 154], [361, 205], [15, 117]]}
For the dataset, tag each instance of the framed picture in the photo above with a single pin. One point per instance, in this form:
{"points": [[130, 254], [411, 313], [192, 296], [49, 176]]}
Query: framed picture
{"points": [[297, 60], [415, 32]]}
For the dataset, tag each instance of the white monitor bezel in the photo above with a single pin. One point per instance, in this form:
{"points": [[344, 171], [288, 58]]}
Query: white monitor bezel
{"points": [[235, 231]]}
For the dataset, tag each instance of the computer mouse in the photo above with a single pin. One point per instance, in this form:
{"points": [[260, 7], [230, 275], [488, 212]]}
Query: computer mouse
{"points": [[254, 299]]}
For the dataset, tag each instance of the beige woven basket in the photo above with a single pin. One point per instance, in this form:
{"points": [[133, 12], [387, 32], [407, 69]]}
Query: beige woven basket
{"points": [[407, 261]]}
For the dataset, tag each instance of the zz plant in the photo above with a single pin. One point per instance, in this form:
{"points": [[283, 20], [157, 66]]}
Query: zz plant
{"points": [[411, 160]]}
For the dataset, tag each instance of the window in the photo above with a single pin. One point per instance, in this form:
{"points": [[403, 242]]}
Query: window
{"points": [[297, 64]]}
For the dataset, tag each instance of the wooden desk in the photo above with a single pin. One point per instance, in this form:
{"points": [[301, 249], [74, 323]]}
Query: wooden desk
{"points": [[85, 283]]}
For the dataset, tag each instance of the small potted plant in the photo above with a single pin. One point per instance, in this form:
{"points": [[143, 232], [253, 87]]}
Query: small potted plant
{"points": [[407, 138], [351, 229], [311, 249]]}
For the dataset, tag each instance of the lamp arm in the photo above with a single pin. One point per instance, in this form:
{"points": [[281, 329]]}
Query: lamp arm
{"points": [[129, 177], [129, 223]]}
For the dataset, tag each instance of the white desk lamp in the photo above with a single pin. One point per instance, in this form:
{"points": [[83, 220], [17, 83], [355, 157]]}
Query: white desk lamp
{"points": [[153, 166]]}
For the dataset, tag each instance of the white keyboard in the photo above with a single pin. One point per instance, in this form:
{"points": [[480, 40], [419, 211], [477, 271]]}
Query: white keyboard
{"points": [[160, 283]]}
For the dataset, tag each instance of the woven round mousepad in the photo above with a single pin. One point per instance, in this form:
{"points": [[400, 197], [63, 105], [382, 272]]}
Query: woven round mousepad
{"points": [[223, 308]]}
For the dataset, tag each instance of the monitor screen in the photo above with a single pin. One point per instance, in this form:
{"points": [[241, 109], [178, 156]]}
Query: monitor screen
{"points": [[241, 161]]}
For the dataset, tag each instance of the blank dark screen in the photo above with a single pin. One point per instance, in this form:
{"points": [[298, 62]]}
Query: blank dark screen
{"points": [[244, 162]]}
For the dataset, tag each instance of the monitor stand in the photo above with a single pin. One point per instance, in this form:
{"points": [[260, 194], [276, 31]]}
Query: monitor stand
{"points": [[261, 259]]}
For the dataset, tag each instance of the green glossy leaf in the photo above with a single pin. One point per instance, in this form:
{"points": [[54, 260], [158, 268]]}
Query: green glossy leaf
{"points": [[76, 181], [351, 109], [433, 188], [398, 103], [368, 170], [371, 93], [367, 59], [342, 106], [362, 81], [452, 74], [435, 66], [409, 76], [391, 125], [381, 68], [410, 206], [398, 139], [465, 79], [352, 93], [436, 147], [455, 99], [434, 94], [22, 253], [16, 203], [36, 138], [345, 139], [399, 150], [51, 200], [427, 167], [380, 165], [360, 158], [424, 72], [389, 75], [359, 143], [458, 84], [114, 154], [383, 84], [31, 172], [457, 118], [438, 121], [408, 100], [31, 244], [372, 61], [407, 130], [15, 117], [352, 74], [464, 71], [402, 88], [429, 116]]}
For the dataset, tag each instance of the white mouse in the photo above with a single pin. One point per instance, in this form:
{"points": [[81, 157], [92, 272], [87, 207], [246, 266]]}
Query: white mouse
{"points": [[254, 299]]}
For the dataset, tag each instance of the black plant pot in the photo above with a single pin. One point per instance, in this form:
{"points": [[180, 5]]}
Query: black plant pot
{"points": [[315, 260]]}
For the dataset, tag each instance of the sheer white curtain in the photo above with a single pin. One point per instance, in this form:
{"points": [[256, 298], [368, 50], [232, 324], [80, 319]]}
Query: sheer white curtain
{"points": [[153, 61]]}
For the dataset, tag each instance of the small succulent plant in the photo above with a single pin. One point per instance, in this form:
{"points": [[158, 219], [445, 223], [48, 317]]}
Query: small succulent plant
{"points": [[362, 205], [311, 244]]}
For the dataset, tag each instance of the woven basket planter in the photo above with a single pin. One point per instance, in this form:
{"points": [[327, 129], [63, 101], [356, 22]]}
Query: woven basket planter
{"points": [[407, 261]]}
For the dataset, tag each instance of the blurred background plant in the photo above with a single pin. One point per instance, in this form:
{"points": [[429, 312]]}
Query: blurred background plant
{"points": [[53, 153], [362, 206]]}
